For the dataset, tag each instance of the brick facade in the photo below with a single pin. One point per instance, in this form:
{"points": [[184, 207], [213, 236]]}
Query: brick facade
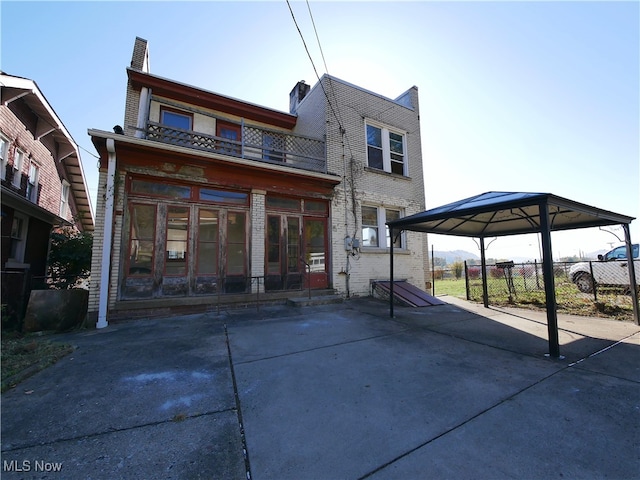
{"points": [[49, 181], [347, 157], [305, 214]]}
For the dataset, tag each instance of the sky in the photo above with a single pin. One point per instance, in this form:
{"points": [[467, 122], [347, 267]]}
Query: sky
{"points": [[514, 96]]}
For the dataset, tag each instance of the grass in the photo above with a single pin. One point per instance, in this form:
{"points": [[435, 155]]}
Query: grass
{"points": [[455, 288], [24, 355], [568, 299]]}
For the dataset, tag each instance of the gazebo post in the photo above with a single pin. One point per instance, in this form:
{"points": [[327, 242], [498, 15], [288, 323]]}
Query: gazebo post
{"points": [[633, 285], [391, 273], [483, 263], [549, 281]]}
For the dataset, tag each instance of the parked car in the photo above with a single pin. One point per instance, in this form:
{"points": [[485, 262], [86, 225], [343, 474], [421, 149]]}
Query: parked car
{"points": [[611, 270]]}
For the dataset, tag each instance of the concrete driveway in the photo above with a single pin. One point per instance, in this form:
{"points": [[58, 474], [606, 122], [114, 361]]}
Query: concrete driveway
{"points": [[333, 392]]}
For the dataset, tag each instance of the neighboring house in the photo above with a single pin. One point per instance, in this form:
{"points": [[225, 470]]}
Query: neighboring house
{"points": [[43, 185], [205, 199]]}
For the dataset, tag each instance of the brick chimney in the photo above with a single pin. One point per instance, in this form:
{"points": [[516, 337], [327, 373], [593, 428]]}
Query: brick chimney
{"points": [[297, 94], [140, 57]]}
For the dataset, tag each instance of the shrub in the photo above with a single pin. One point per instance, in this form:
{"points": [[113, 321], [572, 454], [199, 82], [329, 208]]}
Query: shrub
{"points": [[457, 268], [69, 257]]}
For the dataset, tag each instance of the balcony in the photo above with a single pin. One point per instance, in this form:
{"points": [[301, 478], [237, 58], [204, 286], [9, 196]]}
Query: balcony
{"points": [[262, 145]]}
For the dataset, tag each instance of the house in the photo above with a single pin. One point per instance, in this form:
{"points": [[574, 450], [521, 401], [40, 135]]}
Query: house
{"points": [[43, 186], [205, 199]]}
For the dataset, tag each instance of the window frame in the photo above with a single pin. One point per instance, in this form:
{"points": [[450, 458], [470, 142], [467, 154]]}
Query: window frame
{"points": [[18, 160], [169, 258], [65, 187], [174, 111], [387, 153], [4, 156], [381, 217], [134, 241], [32, 183], [18, 258]]}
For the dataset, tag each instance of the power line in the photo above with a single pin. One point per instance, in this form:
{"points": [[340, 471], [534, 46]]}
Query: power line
{"points": [[314, 66], [326, 69]]}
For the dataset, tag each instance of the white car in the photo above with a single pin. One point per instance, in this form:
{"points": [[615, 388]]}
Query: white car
{"points": [[611, 270]]}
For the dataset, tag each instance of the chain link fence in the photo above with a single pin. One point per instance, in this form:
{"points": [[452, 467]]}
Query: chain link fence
{"points": [[590, 288]]}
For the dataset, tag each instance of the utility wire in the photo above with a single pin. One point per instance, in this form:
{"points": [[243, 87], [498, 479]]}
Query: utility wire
{"points": [[326, 69], [317, 38], [314, 66]]}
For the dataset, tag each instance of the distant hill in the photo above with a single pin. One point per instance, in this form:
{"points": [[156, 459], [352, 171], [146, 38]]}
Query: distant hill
{"points": [[455, 255]]}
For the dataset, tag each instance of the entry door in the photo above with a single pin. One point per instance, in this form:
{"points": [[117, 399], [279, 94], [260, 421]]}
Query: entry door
{"points": [[283, 262], [315, 253]]}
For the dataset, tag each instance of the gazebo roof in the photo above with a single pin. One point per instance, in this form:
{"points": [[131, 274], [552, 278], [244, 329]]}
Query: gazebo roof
{"points": [[494, 214]]}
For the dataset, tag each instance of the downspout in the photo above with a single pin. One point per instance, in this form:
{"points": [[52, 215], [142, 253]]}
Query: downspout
{"points": [[105, 264]]}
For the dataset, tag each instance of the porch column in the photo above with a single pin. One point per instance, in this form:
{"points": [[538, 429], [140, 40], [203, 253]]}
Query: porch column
{"points": [[258, 219]]}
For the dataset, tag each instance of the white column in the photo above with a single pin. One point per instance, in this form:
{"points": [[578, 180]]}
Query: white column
{"points": [[258, 219]]}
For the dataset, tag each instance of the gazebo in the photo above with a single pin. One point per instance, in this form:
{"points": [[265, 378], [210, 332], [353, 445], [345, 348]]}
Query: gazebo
{"points": [[495, 214]]}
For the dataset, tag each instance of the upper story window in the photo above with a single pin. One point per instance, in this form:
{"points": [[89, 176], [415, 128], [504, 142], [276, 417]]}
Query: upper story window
{"points": [[232, 132], [4, 156], [373, 223], [64, 198], [386, 149], [17, 168], [32, 184], [175, 119], [175, 122]]}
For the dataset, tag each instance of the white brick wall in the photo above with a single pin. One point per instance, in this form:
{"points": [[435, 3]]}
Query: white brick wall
{"points": [[257, 234], [346, 156]]}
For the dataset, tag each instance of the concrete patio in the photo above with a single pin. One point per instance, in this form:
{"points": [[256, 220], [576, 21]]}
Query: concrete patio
{"points": [[334, 392]]}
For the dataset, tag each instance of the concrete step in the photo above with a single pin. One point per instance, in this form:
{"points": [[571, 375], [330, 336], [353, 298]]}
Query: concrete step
{"points": [[314, 300]]}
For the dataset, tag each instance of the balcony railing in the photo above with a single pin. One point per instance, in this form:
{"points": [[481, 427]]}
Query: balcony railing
{"points": [[258, 144]]}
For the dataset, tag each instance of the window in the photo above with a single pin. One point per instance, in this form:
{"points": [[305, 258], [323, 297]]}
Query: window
{"points": [[386, 150], [283, 203], [221, 196], [236, 243], [4, 156], [18, 238], [373, 219], [141, 246], [32, 184], [64, 199], [273, 245], [17, 168], [161, 189], [208, 234], [390, 216], [370, 227], [230, 131], [177, 236], [176, 120]]}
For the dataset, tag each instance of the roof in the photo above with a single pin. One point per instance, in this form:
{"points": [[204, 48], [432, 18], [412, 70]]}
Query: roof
{"points": [[196, 96], [494, 214], [55, 137]]}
